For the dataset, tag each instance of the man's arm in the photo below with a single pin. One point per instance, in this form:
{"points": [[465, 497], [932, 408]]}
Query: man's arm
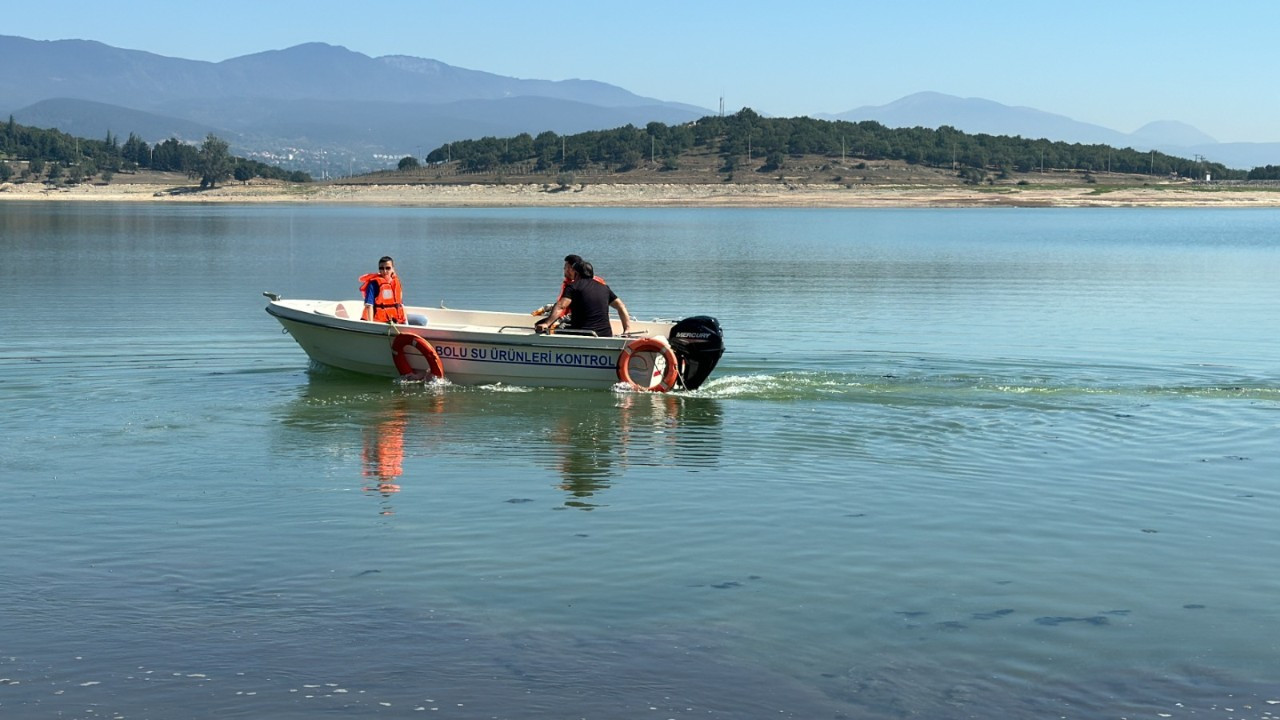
{"points": [[557, 312], [370, 297], [622, 314]]}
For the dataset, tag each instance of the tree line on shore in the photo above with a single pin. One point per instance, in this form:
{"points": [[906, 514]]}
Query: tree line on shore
{"points": [[746, 135], [53, 155]]}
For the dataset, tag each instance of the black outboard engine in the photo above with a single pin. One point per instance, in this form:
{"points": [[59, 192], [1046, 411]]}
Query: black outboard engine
{"points": [[698, 343]]}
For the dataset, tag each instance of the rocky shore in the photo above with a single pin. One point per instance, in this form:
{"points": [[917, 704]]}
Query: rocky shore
{"points": [[659, 195]]}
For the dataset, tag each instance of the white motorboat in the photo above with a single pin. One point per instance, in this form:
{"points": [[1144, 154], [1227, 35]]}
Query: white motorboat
{"points": [[479, 347]]}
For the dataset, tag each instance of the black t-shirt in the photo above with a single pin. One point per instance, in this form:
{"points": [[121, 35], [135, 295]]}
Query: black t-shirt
{"points": [[589, 306]]}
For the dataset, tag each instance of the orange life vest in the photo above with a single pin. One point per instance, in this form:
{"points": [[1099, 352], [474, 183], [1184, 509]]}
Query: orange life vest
{"points": [[387, 304], [565, 284]]}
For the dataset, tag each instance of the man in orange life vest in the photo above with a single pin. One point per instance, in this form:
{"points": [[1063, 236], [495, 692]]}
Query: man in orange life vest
{"points": [[382, 299]]}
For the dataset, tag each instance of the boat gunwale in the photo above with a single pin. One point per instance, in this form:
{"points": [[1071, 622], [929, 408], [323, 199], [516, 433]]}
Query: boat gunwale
{"points": [[492, 336]]}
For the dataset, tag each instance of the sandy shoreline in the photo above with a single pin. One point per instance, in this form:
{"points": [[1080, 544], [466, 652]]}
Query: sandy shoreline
{"points": [[658, 195]]}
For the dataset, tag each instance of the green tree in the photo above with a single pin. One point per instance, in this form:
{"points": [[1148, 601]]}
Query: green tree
{"points": [[579, 159], [173, 155], [213, 163], [631, 160], [408, 162], [136, 151], [546, 147], [1265, 172], [482, 161], [519, 148]]}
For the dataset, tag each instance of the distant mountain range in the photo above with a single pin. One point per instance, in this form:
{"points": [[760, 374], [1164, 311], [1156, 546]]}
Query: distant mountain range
{"points": [[975, 115], [315, 107], [331, 111]]}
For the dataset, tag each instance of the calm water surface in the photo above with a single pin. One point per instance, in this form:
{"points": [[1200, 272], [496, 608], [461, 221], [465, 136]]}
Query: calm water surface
{"points": [[956, 463]]}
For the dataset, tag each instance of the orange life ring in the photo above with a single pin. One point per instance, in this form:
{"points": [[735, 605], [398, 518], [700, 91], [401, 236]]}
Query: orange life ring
{"points": [[649, 344], [402, 341]]}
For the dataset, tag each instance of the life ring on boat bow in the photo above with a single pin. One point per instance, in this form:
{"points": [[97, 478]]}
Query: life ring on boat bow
{"points": [[657, 345], [403, 341]]}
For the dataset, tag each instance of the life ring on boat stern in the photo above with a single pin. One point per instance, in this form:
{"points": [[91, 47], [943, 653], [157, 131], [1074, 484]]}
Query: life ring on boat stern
{"points": [[654, 345], [402, 341]]}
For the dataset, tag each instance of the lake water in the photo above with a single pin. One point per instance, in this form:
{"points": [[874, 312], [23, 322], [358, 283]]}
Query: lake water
{"points": [[955, 463]]}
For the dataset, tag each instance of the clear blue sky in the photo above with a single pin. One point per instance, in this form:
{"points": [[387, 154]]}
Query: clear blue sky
{"points": [[1117, 63]]}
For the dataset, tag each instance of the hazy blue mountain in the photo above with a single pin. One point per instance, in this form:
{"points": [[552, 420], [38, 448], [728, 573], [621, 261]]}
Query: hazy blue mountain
{"points": [[976, 115], [316, 105], [452, 83], [322, 108], [1171, 132], [32, 70], [1243, 156], [90, 119]]}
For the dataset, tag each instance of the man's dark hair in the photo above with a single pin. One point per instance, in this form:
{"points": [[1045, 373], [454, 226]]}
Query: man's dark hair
{"points": [[584, 269], [573, 260]]}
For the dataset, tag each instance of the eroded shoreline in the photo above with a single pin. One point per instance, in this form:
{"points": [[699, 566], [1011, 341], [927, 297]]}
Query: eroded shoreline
{"points": [[659, 195]]}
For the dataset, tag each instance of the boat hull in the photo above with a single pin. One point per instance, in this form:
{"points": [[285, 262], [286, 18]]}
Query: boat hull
{"points": [[475, 347]]}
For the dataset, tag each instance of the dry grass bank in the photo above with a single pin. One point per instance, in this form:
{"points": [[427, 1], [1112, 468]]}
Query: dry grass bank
{"points": [[819, 184]]}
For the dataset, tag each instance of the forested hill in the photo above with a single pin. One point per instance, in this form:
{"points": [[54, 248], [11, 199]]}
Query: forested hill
{"points": [[746, 134], [55, 155], [744, 138]]}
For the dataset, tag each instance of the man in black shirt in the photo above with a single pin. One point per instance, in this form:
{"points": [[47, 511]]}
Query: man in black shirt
{"points": [[590, 301]]}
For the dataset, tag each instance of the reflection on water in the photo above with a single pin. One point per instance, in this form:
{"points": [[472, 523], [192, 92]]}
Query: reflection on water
{"points": [[586, 452], [588, 439], [383, 456], [383, 438], [597, 443]]}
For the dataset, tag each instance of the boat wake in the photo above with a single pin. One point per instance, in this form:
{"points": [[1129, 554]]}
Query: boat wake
{"points": [[968, 387]]}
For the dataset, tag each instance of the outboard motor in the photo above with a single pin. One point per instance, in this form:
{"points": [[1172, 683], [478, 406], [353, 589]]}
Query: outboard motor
{"points": [[698, 343]]}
